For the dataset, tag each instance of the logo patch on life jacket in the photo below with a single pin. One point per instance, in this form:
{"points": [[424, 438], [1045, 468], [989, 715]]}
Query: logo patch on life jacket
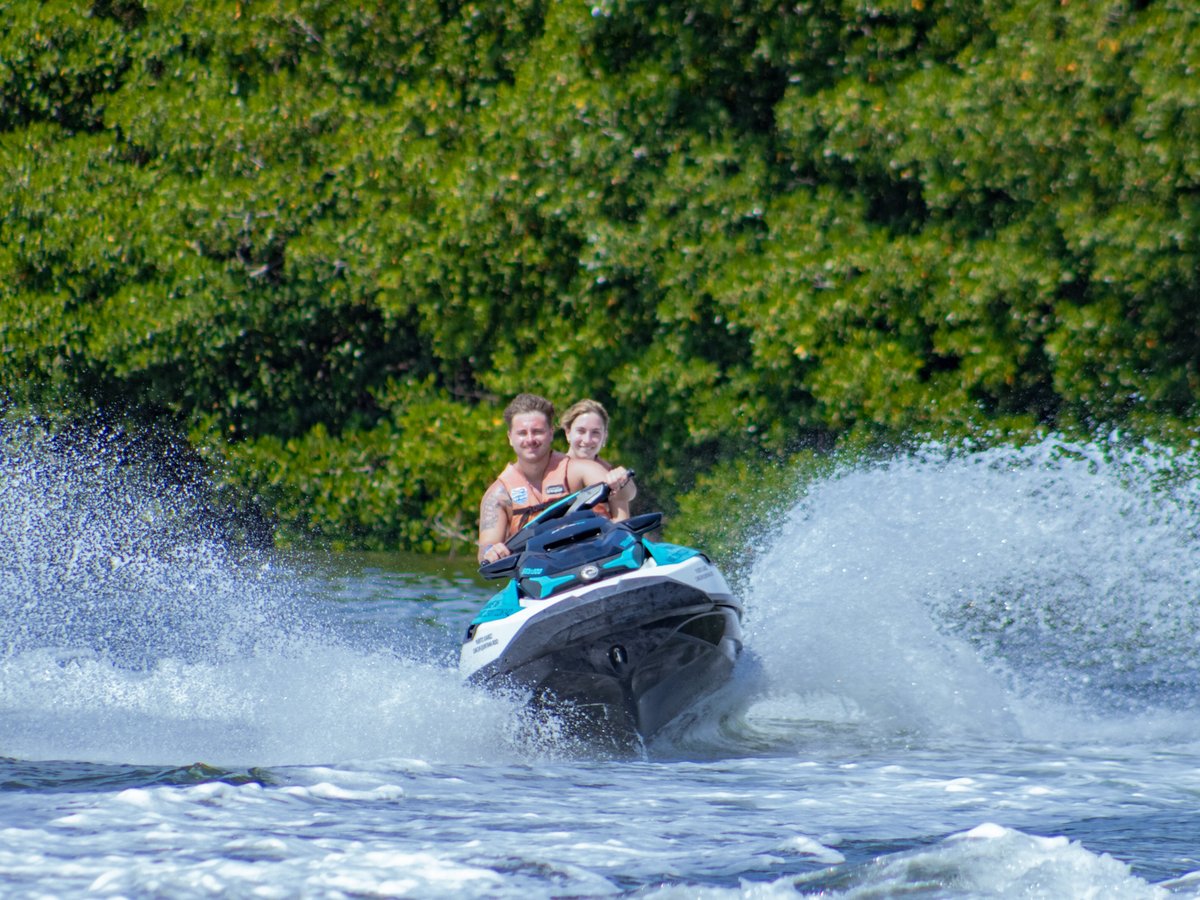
{"points": [[520, 495], [556, 489]]}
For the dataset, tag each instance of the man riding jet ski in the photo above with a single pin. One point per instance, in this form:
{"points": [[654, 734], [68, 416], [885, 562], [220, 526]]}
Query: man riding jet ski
{"points": [[620, 632]]}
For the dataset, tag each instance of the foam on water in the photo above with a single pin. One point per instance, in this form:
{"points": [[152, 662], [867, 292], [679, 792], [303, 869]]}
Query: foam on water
{"points": [[308, 703], [986, 861]]}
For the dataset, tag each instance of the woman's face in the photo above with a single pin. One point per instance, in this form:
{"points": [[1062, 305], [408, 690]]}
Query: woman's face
{"points": [[586, 436]]}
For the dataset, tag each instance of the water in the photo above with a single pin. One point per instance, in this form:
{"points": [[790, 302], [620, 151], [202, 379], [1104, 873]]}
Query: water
{"points": [[967, 676]]}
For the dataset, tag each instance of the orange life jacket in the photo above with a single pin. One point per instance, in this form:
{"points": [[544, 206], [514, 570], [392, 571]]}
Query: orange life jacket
{"points": [[528, 501]]}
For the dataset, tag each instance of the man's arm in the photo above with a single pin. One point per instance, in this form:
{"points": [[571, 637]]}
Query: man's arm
{"points": [[495, 511]]}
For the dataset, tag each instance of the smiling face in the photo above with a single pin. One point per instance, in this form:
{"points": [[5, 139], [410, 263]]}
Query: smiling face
{"points": [[530, 436], [586, 435]]}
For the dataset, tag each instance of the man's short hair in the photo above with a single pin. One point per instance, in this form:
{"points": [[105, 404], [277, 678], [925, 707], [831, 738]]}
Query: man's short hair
{"points": [[528, 403]]}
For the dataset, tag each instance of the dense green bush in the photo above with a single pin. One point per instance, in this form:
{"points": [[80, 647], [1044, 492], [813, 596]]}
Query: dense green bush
{"points": [[329, 240]]}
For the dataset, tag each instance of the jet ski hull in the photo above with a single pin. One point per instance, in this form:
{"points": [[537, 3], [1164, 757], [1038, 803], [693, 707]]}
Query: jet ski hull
{"points": [[622, 657]]}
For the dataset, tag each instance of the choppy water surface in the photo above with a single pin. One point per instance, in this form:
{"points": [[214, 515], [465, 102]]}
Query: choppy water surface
{"points": [[972, 675]]}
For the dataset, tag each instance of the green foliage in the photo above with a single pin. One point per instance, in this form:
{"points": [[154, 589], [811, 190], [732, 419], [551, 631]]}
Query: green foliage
{"points": [[733, 505], [1002, 193], [330, 239], [372, 487], [59, 64]]}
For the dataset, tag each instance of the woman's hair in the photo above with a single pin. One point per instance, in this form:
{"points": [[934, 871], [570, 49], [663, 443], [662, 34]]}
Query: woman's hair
{"points": [[581, 408]]}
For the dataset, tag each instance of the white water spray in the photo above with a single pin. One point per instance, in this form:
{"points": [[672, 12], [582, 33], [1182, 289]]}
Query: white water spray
{"points": [[133, 632], [1048, 591], [1036, 591]]}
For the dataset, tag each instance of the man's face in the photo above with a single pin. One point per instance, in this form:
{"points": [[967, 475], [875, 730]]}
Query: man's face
{"points": [[530, 436]]}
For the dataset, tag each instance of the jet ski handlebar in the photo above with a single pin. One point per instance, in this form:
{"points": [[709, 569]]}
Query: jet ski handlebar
{"points": [[583, 499]]}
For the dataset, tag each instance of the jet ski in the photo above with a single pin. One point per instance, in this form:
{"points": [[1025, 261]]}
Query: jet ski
{"points": [[617, 633]]}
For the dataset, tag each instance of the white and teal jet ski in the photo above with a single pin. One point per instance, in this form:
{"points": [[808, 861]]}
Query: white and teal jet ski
{"points": [[621, 632]]}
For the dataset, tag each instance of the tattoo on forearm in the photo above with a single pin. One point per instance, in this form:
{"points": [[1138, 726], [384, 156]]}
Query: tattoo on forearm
{"points": [[493, 502]]}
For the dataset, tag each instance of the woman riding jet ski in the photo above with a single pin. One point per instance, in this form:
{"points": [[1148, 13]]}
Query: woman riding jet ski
{"points": [[619, 632]]}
